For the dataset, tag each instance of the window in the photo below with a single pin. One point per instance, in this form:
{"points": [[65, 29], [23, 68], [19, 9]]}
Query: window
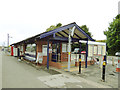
{"points": [[95, 50], [44, 50], [64, 47], [99, 50]]}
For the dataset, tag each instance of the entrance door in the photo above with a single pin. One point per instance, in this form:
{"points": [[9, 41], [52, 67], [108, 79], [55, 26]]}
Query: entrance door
{"points": [[56, 52]]}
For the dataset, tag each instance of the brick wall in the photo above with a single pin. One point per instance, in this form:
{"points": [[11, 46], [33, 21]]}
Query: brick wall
{"points": [[83, 63], [55, 64], [24, 48], [64, 55], [39, 49]]}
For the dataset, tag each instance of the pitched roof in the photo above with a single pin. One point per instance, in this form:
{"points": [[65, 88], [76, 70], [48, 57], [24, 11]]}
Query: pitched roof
{"points": [[61, 32]]}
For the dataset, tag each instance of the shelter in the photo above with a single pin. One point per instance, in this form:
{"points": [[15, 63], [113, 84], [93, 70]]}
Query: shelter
{"points": [[51, 48]]}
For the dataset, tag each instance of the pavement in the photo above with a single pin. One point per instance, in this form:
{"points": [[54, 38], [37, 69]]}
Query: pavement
{"points": [[94, 73], [22, 74]]}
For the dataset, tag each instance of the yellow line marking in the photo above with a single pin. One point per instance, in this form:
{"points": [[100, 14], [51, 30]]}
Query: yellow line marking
{"points": [[73, 69], [67, 65]]}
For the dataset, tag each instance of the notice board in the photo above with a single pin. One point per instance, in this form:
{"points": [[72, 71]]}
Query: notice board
{"points": [[39, 57]]}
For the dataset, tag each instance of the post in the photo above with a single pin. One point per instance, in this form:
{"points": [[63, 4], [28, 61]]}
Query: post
{"points": [[69, 50], [86, 54], [103, 73], [8, 38], [48, 55], [8, 41], [56, 52], [18, 52], [36, 51], [80, 59]]}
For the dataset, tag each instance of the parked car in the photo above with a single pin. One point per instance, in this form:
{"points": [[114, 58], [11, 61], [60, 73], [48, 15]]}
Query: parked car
{"points": [[117, 53], [76, 51]]}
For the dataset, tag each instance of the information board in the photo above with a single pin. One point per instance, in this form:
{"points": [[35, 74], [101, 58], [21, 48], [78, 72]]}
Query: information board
{"points": [[39, 57]]}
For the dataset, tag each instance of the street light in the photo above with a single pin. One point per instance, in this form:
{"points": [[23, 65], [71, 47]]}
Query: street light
{"points": [[8, 36]]}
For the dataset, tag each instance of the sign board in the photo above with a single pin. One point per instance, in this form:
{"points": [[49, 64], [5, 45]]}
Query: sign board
{"points": [[39, 57]]}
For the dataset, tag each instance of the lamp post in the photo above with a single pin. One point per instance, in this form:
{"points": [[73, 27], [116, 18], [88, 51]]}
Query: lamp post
{"points": [[8, 36], [71, 33]]}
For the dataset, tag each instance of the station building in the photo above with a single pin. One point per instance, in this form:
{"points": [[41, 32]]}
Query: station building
{"points": [[51, 48]]}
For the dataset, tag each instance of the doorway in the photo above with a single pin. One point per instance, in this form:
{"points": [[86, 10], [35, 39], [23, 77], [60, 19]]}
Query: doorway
{"points": [[56, 52]]}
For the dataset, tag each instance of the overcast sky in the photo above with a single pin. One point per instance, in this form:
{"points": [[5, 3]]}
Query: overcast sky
{"points": [[25, 18]]}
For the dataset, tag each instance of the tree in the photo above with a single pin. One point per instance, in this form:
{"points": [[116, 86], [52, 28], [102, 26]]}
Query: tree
{"points": [[52, 27], [113, 36], [101, 41], [86, 29]]}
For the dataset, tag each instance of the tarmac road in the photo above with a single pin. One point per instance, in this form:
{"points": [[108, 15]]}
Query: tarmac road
{"points": [[17, 74]]}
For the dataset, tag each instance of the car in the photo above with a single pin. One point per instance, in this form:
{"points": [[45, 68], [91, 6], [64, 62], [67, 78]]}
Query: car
{"points": [[117, 53], [76, 51]]}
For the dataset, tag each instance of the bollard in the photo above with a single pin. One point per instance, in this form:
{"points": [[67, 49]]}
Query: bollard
{"points": [[80, 60], [103, 73], [80, 66]]}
